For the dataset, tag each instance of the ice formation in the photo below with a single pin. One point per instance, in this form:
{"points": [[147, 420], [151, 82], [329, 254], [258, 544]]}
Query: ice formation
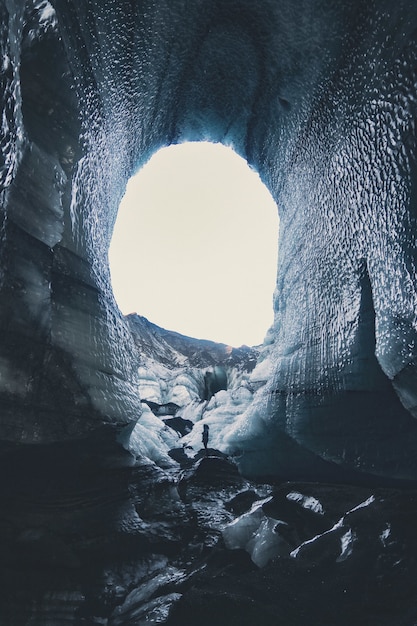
{"points": [[255, 532], [99, 525], [320, 99], [201, 382]]}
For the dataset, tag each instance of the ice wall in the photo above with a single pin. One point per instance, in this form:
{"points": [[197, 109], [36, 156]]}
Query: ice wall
{"points": [[320, 98]]}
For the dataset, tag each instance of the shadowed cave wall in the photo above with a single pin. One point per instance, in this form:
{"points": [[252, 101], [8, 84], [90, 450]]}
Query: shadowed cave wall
{"points": [[320, 99]]}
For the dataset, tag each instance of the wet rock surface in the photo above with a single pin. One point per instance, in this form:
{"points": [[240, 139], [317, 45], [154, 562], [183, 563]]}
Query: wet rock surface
{"points": [[113, 542]]}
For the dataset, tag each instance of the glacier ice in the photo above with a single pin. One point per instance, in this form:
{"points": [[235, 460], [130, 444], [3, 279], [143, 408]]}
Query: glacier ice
{"points": [[152, 439], [176, 377], [320, 100], [255, 532]]}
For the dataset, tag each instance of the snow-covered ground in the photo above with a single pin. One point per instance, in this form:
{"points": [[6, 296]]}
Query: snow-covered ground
{"points": [[173, 383]]}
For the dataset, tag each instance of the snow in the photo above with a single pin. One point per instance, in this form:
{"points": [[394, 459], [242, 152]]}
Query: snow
{"points": [[385, 535], [161, 380], [346, 542], [307, 502]]}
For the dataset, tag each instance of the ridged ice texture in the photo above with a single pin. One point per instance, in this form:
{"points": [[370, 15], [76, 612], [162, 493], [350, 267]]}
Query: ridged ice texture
{"points": [[320, 98]]}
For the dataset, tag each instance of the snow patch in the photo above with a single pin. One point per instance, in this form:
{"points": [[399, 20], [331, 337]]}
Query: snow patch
{"points": [[307, 502]]}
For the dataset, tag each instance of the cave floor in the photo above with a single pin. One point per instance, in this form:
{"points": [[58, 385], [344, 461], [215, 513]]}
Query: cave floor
{"points": [[141, 545]]}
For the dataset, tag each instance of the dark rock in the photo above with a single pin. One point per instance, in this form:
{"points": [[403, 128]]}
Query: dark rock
{"points": [[180, 425], [211, 452], [242, 502], [212, 470], [179, 455], [330, 580], [299, 511], [170, 408], [138, 542]]}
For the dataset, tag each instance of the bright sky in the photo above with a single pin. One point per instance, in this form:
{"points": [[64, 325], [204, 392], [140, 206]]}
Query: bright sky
{"points": [[194, 247]]}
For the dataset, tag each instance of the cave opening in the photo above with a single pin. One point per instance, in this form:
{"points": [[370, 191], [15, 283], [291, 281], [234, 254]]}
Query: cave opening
{"points": [[195, 245]]}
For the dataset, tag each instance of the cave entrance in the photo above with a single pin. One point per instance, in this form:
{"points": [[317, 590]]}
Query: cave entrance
{"points": [[195, 245]]}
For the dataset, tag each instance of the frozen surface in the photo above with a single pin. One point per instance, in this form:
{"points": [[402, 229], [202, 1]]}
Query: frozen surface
{"points": [[151, 439], [309, 503], [223, 410], [256, 533], [181, 381], [320, 99]]}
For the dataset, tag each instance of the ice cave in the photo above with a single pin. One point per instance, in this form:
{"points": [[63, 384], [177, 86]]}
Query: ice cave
{"points": [[300, 509]]}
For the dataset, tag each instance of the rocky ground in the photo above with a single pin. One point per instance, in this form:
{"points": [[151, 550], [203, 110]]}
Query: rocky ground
{"points": [[134, 544], [92, 534]]}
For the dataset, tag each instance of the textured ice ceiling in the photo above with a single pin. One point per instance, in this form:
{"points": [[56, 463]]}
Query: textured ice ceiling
{"points": [[320, 98]]}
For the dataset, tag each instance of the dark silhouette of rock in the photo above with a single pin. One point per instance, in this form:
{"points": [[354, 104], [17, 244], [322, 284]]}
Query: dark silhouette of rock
{"points": [[242, 502], [180, 425], [181, 457], [170, 408]]}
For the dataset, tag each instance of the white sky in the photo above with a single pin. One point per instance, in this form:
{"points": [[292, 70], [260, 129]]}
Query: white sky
{"points": [[194, 247]]}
